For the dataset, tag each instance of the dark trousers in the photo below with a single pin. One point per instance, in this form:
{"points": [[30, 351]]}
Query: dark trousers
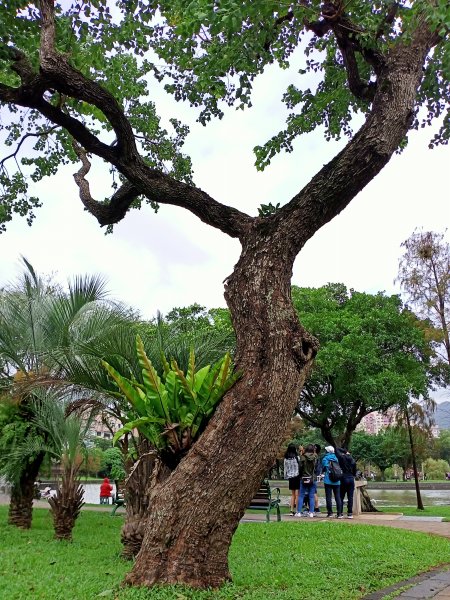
{"points": [[348, 487], [331, 490]]}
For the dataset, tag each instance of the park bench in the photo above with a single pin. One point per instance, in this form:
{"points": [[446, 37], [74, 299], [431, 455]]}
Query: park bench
{"points": [[119, 498], [267, 498]]}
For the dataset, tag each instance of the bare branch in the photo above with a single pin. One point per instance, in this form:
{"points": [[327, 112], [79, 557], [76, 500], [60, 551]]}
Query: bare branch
{"points": [[27, 135]]}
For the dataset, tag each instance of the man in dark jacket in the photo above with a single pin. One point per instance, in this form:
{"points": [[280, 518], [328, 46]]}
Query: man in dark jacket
{"points": [[348, 466]]}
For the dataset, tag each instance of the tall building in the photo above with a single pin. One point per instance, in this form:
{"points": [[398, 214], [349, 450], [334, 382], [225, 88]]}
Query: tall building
{"points": [[375, 421]]}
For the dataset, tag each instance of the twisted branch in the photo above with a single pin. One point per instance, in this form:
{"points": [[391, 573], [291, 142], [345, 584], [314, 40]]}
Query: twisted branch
{"points": [[105, 213]]}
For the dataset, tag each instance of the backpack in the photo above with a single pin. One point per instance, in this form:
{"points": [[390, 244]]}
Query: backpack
{"points": [[334, 471]]}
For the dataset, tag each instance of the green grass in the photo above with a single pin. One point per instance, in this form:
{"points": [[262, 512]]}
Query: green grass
{"points": [[282, 561], [411, 511]]}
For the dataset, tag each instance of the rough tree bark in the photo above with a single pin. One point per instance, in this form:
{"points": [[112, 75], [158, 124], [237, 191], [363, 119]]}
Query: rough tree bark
{"points": [[137, 496], [20, 511], [196, 510], [66, 505]]}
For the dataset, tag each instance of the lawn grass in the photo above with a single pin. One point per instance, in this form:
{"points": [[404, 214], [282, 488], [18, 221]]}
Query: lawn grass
{"points": [[282, 561], [411, 511]]}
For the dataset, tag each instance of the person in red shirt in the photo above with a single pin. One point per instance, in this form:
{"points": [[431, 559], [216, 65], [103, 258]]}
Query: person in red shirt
{"points": [[105, 491]]}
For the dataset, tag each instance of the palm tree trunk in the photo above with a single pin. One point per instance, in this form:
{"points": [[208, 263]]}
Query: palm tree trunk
{"points": [[22, 494], [66, 506]]}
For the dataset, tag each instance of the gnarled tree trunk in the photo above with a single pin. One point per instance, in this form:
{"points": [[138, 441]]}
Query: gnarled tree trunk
{"points": [[195, 512]]}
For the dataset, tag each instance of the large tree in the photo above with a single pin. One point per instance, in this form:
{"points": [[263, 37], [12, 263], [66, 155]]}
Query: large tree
{"points": [[70, 73], [373, 355]]}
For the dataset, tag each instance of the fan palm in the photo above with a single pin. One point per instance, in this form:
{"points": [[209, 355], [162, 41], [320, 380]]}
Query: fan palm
{"points": [[61, 437], [36, 319]]}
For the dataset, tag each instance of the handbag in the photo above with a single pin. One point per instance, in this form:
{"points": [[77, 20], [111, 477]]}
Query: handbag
{"points": [[307, 480]]}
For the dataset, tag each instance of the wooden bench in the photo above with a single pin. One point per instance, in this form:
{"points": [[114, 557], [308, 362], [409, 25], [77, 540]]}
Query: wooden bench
{"points": [[119, 498], [267, 498]]}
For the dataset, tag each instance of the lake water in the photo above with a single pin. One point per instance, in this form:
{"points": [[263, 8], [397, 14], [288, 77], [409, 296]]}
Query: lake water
{"points": [[408, 497], [388, 498], [379, 497]]}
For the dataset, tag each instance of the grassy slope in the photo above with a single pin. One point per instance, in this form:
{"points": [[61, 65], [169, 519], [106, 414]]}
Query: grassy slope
{"points": [[283, 561]]}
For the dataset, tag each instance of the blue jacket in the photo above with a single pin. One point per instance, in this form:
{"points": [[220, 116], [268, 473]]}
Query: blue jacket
{"points": [[325, 462]]}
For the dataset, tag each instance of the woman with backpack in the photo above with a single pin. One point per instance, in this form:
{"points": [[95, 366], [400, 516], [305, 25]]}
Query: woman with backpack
{"points": [[292, 474], [308, 487], [330, 465]]}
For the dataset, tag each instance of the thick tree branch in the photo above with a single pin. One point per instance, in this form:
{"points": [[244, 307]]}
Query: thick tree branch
{"points": [[338, 182], [153, 184], [21, 65], [359, 88], [69, 81], [160, 188], [388, 20]]}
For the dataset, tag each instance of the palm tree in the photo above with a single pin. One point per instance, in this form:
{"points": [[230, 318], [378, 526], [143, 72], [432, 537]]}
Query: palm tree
{"points": [[36, 319], [61, 438], [16, 427]]}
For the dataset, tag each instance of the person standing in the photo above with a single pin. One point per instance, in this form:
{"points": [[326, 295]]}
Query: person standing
{"points": [[347, 487], [318, 473], [308, 487], [292, 474], [331, 487]]}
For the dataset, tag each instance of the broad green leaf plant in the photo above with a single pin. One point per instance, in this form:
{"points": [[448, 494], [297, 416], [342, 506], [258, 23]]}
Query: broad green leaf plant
{"points": [[174, 408]]}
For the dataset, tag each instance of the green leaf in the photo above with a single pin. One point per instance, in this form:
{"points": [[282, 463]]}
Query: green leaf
{"points": [[130, 392]]}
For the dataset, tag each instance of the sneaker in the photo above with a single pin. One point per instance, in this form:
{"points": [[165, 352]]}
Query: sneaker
{"points": [[317, 510], [297, 514], [292, 513], [349, 516], [330, 515], [340, 516], [311, 515]]}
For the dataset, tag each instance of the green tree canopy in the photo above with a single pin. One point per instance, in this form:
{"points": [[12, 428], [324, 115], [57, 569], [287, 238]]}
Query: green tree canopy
{"points": [[373, 355]]}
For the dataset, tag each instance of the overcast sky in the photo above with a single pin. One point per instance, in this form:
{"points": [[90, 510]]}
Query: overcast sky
{"points": [[156, 262]]}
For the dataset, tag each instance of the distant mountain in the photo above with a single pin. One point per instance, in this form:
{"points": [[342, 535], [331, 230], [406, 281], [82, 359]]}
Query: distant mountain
{"points": [[442, 415]]}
